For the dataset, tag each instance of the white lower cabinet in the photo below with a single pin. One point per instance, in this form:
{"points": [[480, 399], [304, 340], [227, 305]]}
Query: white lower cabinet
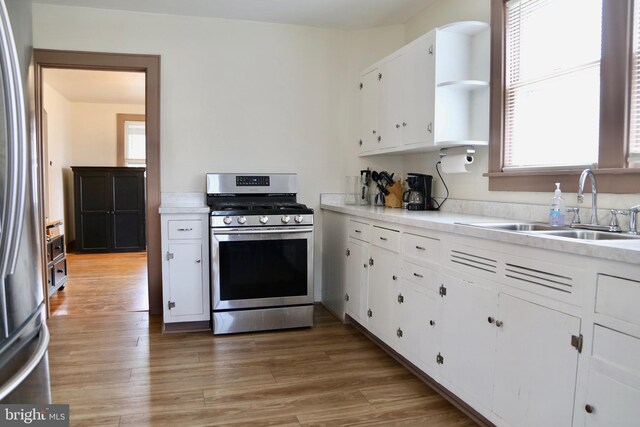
{"points": [[185, 276], [514, 352], [535, 364], [612, 403], [417, 316], [383, 278], [468, 338], [185, 268], [356, 279]]}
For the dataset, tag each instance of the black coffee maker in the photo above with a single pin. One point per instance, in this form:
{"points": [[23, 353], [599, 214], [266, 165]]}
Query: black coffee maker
{"points": [[418, 197]]}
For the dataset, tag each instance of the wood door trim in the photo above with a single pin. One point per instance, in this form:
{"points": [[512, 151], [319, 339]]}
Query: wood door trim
{"points": [[150, 65], [120, 119]]}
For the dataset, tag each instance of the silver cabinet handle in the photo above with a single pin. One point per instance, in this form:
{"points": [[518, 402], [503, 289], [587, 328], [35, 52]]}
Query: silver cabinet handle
{"points": [[421, 248], [185, 229], [358, 231], [418, 275], [17, 148], [430, 127], [384, 239], [198, 261], [499, 323]]}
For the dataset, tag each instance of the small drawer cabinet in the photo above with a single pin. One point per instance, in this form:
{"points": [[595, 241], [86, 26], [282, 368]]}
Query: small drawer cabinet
{"points": [[56, 263], [185, 269]]}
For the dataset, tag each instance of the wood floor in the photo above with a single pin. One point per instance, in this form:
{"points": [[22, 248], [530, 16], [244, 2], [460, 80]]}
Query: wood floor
{"points": [[116, 368], [105, 283]]}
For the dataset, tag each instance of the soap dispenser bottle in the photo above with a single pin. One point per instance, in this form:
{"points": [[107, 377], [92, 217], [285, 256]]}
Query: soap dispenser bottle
{"points": [[556, 210]]}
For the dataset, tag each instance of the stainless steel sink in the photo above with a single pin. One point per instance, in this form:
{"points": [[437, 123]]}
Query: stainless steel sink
{"points": [[541, 229], [512, 226], [587, 235]]}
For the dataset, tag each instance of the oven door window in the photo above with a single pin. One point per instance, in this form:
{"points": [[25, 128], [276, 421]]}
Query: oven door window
{"points": [[251, 269]]}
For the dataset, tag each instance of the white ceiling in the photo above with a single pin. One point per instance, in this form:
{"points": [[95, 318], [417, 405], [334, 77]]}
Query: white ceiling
{"points": [[103, 87], [338, 14]]}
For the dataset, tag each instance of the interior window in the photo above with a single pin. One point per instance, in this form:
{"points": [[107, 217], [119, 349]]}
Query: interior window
{"points": [[552, 83], [634, 133], [565, 94], [135, 141]]}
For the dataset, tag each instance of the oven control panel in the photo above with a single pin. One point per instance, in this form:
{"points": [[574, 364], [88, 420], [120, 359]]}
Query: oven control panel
{"points": [[260, 220], [252, 181]]}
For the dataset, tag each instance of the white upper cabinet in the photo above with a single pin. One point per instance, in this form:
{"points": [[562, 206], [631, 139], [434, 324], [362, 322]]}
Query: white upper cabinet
{"points": [[369, 110], [419, 90], [390, 102], [432, 93]]}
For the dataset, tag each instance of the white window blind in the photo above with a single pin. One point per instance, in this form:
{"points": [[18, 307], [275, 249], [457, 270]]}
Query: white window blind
{"points": [[634, 131], [552, 84], [134, 143]]}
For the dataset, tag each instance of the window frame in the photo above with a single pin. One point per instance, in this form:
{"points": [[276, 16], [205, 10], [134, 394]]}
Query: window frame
{"points": [[120, 120], [612, 173]]}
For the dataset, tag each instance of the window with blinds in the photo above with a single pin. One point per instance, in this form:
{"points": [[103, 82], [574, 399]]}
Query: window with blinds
{"points": [[552, 83], [634, 131]]}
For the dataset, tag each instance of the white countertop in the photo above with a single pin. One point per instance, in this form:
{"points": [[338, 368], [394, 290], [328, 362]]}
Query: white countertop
{"points": [[616, 250], [183, 203]]}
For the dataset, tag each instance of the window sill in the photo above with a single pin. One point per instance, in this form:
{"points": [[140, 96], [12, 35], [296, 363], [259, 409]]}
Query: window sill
{"points": [[616, 181]]}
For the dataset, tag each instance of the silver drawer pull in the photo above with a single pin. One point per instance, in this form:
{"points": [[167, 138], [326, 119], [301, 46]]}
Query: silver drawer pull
{"points": [[420, 248], [185, 229], [418, 275], [198, 261], [384, 239], [358, 231]]}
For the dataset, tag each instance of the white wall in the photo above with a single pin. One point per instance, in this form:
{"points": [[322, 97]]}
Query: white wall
{"points": [[58, 110], [94, 132]]}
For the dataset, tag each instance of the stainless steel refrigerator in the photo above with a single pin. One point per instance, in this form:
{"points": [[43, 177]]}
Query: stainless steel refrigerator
{"points": [[24, 338]]}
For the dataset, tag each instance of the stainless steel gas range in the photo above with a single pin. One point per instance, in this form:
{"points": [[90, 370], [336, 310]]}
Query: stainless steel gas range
{"points": [[261, 248]]}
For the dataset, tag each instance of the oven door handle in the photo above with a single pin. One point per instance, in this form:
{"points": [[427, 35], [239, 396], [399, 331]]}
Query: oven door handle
{"points": [[262, 231]]}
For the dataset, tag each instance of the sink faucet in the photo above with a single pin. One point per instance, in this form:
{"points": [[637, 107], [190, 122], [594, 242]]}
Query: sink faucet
{"points": [[594, 193], [633, 212]]}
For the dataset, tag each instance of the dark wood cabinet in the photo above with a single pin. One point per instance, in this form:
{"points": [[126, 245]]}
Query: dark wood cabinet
{"points": [[109, 209]]}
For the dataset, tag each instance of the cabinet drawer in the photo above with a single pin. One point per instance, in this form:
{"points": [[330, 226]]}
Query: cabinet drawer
{"points": [[618, 298], [617, 349], [185, 229], [359, 230], [57, 247], [386, 238], [421, 250], [59, 272], [420, 275]]}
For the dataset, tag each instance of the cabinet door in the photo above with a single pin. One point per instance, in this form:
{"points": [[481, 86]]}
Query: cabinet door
{"points": [[356, 279], [92, 208], [417, 318], [186, 294], [419, 90], [334, 261], [536, 366], [369, 111], [128, 210], [390, 106], [382, 296], [468, 338], [611, 403]]}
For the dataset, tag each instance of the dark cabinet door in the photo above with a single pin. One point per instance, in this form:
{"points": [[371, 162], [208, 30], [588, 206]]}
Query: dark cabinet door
{"points": [[109, 209], [128, 210]]}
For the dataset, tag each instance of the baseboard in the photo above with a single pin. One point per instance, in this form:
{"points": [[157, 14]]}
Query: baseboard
{"points": [[200, 326]]}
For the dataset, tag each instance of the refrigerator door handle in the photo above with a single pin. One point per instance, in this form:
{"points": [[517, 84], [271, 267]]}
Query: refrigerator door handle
{"points": [[28, 367], [17, 143]]}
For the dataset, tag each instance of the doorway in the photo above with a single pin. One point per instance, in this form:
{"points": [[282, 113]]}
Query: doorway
{"points": [[150, 66]]}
